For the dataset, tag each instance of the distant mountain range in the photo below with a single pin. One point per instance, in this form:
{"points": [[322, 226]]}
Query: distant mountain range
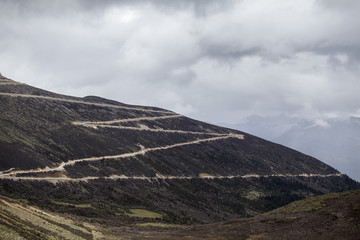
{"points": [[335, 141], [106, 160]]}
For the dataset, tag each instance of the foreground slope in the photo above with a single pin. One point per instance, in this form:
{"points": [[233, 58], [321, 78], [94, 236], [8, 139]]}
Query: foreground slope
{"points": [[20, 221], [331, 216], [114, 157]]}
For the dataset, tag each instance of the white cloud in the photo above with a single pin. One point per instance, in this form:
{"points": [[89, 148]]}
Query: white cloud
{"points": [[322, 123], [218, 62]]}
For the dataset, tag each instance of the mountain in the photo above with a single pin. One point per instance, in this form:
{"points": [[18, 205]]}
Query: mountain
{"points": [[110, 161], [335, 141], [331, 216]]}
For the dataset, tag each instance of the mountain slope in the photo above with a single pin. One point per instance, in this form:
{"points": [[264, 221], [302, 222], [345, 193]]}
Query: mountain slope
{"points": [[332, 216], [334, 141], [20, 221], [116, 157]]}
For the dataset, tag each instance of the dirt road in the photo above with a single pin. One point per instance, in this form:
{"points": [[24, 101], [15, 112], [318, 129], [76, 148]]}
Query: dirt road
{"points": [[12, 173], [126, 120], [160, 177]]}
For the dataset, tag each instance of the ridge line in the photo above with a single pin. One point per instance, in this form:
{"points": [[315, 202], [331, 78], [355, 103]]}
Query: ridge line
{"points": [[81, 102]]}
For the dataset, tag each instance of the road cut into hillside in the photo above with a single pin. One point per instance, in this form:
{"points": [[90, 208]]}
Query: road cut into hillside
{"points": [[167, 177], [12, 173]]}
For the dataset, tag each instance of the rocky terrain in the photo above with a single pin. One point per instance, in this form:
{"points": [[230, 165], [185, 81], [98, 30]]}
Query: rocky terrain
{"points": [[96, 158]]}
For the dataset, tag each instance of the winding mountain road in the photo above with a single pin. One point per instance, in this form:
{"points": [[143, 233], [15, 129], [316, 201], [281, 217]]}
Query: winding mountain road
{"points": [[12, 173], [141, 127], [145, 128], [127, 120]]}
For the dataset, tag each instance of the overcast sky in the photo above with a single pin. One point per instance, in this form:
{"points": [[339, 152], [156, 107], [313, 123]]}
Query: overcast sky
{"points": [[217, 61]]}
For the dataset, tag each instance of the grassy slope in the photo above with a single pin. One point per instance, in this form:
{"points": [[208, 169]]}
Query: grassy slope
{"points": [[332, 216], [21, 221]]}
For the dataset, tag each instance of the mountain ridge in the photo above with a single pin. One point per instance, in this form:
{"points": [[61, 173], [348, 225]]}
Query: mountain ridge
{"points": [[116, 156]]}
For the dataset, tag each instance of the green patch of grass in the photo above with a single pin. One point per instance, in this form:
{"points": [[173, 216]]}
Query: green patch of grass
{"points": [[142, 213], [161, 225], [252, 195], [84, 205]]}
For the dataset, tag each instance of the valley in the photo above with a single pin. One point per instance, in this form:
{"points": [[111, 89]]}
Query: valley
{"points": [[331, 216]]}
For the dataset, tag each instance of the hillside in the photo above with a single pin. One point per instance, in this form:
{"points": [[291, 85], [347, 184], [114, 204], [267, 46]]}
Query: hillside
{"points": [[335, 141], [58, 152], [332, 216], [20, 221]]}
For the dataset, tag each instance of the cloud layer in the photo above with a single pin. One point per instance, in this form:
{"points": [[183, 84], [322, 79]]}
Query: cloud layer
{"points": [[218, 61]]}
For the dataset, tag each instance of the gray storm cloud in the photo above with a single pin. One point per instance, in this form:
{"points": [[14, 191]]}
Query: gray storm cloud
{"points": [[218, 61]]}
